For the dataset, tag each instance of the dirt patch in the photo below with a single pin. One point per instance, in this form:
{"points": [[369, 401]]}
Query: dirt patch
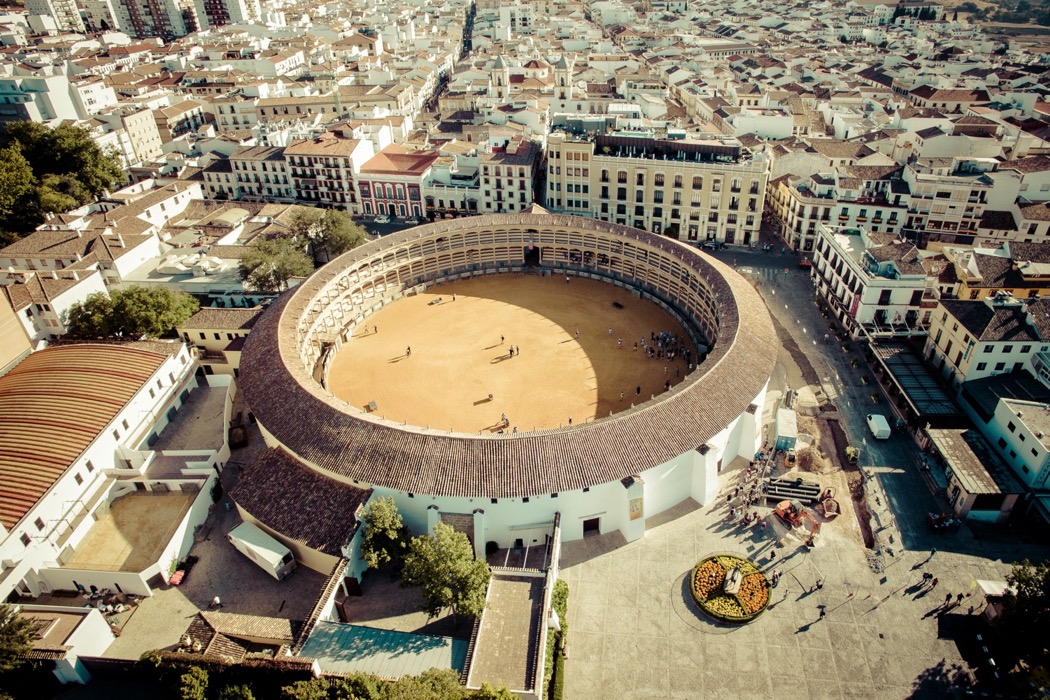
{"points": [[808, 373], [831, 430]]}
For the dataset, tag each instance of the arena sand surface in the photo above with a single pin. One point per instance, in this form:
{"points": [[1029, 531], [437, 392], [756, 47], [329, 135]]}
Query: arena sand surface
{"points": [[457, 358]]}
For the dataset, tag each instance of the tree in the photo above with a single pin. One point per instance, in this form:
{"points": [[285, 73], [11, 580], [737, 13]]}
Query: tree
{"points": [[435, 684], [240, 692], [17, 634], [67, 150], [313, 689], [330, 232], [443, 566], [193, 684], [16, 180], [134, 312], [487, 692], [268, 265], [1026, 615], [385, 539]]}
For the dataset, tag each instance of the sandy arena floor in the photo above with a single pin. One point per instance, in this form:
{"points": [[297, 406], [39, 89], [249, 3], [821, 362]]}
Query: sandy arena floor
{"points": [[458, 359]]}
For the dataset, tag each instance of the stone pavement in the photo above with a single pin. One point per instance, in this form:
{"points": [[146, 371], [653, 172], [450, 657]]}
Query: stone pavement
{"points": [[632, 622], [633, 626]]}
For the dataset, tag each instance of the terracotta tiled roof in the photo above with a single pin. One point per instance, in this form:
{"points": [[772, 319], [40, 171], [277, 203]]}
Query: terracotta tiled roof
{"points": [[53, 405], [313, 509], [229, 319], [326, 432]]}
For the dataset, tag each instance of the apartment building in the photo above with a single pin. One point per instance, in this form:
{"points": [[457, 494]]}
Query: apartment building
{"points": [[391, 182], [153, 18], [1021, 270], [690, 187], [508, 175], [323, 170], [64, 12], [261, 172], [141, 128], [869, 197], [874, 283], [948, 197], [971, 340], [179, 119], [41, 300]]}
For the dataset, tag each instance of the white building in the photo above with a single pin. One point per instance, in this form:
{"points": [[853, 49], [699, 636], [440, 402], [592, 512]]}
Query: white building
{"points": [[76, 437], [874, 283]]}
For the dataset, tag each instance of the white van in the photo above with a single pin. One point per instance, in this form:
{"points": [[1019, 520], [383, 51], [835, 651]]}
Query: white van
{"points": [[879, 426], [272, 557]]}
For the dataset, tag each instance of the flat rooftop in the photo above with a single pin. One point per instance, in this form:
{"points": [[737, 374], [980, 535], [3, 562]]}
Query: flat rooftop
{"points": [[133, 534], [920, 387], [506, 650], [974, 462], [343, 648]]}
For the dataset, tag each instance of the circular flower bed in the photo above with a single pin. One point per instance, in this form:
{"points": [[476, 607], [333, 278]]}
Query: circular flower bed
{"points": [[709, 582]]}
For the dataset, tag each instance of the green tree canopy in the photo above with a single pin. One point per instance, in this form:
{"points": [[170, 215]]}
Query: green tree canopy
{"points": [[269, 264], [16, 180], [1026, 616], [134, 312], [67, 150], [332, 233], [17, 634], [443, 566], [385, 538], [193, 684]]}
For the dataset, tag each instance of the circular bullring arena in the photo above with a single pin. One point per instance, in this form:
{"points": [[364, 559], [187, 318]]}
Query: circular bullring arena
{"points": [[640, 368]]}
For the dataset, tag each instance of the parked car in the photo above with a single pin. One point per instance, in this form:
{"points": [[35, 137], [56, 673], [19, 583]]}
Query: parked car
{"points": [[879, 426], [382, 219]]}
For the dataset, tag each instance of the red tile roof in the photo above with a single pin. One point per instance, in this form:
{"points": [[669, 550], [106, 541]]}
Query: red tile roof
{"points": [[53, 405], [398, 160]]}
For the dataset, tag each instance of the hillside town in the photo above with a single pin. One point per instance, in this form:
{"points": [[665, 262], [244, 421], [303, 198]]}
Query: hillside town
{"points": [[878, 174]]}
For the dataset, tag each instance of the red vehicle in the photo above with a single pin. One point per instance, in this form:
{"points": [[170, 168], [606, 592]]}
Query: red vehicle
{"points": [[805, 262]]}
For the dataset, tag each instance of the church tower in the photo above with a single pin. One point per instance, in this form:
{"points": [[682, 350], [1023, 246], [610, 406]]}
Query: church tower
{"points": [[563, 78], [500, 78]]}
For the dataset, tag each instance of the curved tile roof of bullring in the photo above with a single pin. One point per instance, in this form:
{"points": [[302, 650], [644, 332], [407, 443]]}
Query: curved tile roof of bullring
{"points": [[329, 433]]}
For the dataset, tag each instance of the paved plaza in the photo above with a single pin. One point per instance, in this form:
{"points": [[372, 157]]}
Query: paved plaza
{"points": [[633, 625]]}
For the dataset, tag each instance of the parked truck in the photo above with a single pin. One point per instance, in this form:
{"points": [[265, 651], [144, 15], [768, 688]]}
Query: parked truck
{"points": [[272, 557]]}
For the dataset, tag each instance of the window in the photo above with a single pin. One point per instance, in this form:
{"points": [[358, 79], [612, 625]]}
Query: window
{"points": [[1001, 442], [981, 366], [884, 297], [987, 348], [678, 181], [698, 182], [1007, 349], [79, 479], [639, 179], [39, 522], [1011, 427], [25, 539], [1026, 349], [90, 466], [621, 177], [116, 435], [125, 424], [999, 366]]}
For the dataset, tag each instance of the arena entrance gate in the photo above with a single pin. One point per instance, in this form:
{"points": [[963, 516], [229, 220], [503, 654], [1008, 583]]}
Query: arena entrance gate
{"points": [[532, 255]]}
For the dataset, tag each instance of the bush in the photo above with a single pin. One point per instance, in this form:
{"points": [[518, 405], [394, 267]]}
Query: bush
{"points": [[491, 547], [193, 684], [313, 689], [556, 640], [239, 692]]}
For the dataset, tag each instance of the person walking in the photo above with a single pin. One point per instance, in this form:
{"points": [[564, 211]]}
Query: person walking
{"points": [[453, 296], [375, 329], [621, 395], [215, 603], [408, 351], [501, 340], [933, 584], [638, 390], [948, 599], [823, 613]]}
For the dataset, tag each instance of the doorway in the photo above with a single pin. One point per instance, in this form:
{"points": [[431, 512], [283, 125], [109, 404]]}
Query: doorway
{"points": [[532, 255], [590, 527]]}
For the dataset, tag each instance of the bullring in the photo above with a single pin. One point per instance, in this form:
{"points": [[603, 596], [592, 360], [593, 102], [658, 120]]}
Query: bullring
{"points": [[610, 473]]}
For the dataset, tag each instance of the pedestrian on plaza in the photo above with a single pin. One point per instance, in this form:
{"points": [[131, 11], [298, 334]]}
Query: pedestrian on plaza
{"points": [[215, 603], [408, 351], [958, 599], [948, 599], [501, 340], [823, 613], [453, 296], [621, 395], [638, 390], [933, 584], [375, 329], [570, 420], [926, 577], [619, 343], [772, 552], [819, 584], [577, 334], [729, 498], [566, 279], [610, 333]]}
